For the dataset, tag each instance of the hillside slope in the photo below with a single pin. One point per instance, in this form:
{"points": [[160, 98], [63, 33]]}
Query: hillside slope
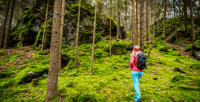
{"points": [[168, 77]]}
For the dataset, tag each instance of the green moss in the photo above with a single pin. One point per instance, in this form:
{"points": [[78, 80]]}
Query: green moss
{"points": [[197, 42], [37, 37], [188, 47]]}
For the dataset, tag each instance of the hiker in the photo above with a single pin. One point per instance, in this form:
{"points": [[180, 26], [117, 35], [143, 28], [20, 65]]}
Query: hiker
{"points": [[135, 71]]}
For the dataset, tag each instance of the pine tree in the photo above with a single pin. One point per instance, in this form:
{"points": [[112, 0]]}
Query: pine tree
{"points": [[179, 15], [175, 17], [44, 31], [93, 38], [52, 84], [164, 17], [133, 23], [2, 36], [76, 53], [118, 21], [150, 20], [142, 28], [61, 36], [192, 23], [9, 25], [185, 14], [110, 24], [136, 32]]}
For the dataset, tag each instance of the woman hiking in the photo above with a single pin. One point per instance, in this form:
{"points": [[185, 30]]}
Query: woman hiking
{"points": [[136, 73]]}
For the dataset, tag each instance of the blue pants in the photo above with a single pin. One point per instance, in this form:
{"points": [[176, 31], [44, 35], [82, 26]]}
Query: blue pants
{"points": [[136, 75]]}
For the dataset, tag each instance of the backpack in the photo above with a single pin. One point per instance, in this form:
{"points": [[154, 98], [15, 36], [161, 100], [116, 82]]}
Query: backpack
{"points": [[141, 61]]}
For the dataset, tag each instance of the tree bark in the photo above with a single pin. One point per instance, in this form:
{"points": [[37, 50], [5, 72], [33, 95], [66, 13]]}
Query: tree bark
{"points": [[93, 38], [52, 84], [192, 23], [9, 25], [44, 35], [61, 35], [142, 27], [185, 14], [4, 25], [133, 23], [76, 53], [110, 24], [179, 15], [136, 32], [175, 18], [126, 15], [118, 21], [150, 19], [164, 18]]}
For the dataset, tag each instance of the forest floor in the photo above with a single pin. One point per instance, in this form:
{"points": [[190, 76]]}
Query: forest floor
{"points": [[168, 77], [25, 52]]}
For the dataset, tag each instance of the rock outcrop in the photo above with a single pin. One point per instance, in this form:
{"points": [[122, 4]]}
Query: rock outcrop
{"points": [[196, 49]]}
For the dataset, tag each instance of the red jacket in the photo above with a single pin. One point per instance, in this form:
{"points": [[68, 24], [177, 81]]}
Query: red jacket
{"points": [[133, 63]]}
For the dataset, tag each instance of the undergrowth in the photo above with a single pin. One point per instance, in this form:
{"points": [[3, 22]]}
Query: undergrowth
{"points": [[112, 79]]}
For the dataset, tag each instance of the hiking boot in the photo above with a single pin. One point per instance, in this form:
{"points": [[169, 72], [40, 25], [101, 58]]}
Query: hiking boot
{"points": [[137, 100]]}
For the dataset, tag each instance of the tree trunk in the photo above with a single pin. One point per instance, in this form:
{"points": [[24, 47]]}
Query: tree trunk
{"points": [[175, 17], [110, 24], [61, 36], [142, 28], [9, 25], [179, 15], [52, 84], [118, 21], [192, 23], [126, 15], [44, 35], [133, 23], [185, 14], [33, 3], [159, 19], [93, 38], [154, 16], [150, 19], [164, 18], [4, 25], [76, 53], [136, 32]]}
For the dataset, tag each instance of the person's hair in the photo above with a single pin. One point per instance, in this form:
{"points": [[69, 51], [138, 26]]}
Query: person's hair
{"points": [[134, 52]]}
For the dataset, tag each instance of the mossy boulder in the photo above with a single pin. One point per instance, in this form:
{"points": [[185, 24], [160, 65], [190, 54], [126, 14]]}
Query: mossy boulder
{"points": [[188, 47], [118, 48], [196, 49]]}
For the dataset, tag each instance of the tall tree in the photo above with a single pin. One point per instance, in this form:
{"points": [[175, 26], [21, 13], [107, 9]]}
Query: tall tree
{"points": [[126, 8], [179, 15], [76, 52], [150, 19], [174, 3], [133, 22], [164, 17], [9, 25], [136, 32], [44, 35], [147, 21], [192, 22], [4, 24], [154, 16], [94, 37], [142, 28], [52, 84], [185, 14], [61, 35], [110, 24], [118, 20]]}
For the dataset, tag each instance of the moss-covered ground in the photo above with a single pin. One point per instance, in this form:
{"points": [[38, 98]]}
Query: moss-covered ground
{"points": [[111, 82]]}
